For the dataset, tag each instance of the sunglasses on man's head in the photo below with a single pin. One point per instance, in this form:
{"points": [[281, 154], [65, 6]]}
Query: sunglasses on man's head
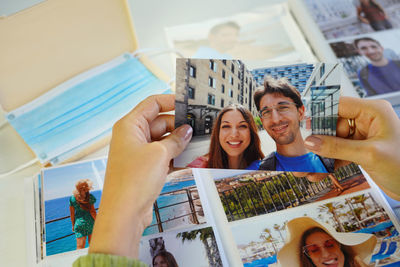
{"points": [[316, 250]]}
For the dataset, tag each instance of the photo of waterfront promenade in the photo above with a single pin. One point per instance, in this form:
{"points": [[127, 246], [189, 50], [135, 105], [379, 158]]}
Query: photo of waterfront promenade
{"points": [[178, 205], [260, 192]]}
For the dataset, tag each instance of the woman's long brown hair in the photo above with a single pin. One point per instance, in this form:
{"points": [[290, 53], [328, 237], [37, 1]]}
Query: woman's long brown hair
{"points": [[218, 157]]}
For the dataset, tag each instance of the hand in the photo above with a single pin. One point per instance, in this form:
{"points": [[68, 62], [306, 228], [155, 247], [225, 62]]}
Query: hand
{"points": [[138, 164], [375, 145]]}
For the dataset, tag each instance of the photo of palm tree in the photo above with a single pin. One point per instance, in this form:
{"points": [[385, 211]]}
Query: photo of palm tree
{"points": [[259, 239], [196, 247], [255, 193]]}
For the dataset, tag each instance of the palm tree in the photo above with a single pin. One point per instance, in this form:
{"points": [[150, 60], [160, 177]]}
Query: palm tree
{"points": [[348, 202], [206, 235], [331, 208], [361, 200], [379, 208], [267, 237], [278, 228]]}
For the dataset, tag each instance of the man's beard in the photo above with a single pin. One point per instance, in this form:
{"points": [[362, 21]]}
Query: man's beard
{"points": [[284, 140]]}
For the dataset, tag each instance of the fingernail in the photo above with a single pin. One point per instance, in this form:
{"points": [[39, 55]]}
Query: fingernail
{"points": [[313, 143], [185, 132]]}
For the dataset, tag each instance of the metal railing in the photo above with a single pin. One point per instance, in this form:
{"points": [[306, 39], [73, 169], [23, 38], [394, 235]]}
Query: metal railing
{"points": [[190, 200]]}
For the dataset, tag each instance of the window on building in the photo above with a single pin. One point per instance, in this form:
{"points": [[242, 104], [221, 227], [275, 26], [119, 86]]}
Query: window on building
{"points": [[246, 79], [230, 79], [230, 92], [213, 65], [322, 70], [224, 61], [222, 103], [211, 82], [191, 92], [222, 88], [211, 99], [233, 68], [238, 86], [192, 71], [223, 74]]}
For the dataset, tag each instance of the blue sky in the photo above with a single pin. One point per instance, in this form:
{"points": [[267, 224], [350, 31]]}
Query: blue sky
{"points": [[60, 181]]}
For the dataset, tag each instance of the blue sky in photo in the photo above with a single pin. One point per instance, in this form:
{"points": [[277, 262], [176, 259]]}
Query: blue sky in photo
{"points": [[60, 181]]}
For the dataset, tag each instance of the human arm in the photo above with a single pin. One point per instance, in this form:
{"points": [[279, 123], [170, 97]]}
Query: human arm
{"points": [[375, 145], [360, 16], [137, 165], [72, 214], [93, 212]]}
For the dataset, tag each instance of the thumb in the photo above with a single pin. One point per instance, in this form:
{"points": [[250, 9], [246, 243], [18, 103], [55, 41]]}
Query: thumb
{"points": [[336, 147], [177, 141]]}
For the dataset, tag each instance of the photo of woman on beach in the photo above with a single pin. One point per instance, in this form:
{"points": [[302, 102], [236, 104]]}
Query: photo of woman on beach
{"points": [[83, 213], [234, 142], [310, 244]]}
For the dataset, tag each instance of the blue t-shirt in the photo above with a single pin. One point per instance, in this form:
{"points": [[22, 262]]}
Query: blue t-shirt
{"points": [[309, 162], [385, 79], [255, 165]]}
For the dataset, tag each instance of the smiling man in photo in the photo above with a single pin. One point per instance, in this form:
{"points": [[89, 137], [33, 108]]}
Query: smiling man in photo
{"points": [[381, 75], [281, 110]]}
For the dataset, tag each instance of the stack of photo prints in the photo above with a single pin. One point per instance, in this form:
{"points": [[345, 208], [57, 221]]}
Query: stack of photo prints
{"points": [[364, 36], [246, 191]]}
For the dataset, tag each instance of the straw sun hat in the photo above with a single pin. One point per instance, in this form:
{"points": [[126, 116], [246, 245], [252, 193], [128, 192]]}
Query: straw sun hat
{"points": [[357, 243]]}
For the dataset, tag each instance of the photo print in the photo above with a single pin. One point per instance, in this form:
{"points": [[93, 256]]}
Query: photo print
{"points": [[194, 247], [372, 62], [252, 118], [355, 225], [341, 18], [178, 205], [253, 193], [243, 35], [71, 196]]}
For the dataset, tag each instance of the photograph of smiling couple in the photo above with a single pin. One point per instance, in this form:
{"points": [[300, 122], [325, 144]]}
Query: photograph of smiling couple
{"points": [[255, 119]]}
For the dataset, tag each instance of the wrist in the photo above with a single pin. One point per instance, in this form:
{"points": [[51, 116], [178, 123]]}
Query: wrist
{"points": [[117, 233]]}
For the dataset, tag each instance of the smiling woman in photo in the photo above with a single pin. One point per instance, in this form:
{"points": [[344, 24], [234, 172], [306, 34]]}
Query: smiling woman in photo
{"points": [[313, 244], [234, 141]]}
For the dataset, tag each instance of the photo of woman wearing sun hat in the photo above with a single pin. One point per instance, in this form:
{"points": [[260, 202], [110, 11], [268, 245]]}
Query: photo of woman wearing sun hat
{"points": [[310, 243]]}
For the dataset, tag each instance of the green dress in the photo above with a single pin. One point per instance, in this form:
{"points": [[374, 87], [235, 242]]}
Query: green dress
{"points": [[83, 220]]}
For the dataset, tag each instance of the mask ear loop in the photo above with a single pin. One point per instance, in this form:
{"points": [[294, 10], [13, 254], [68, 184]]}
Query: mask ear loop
{"points": [[156, 52], [150, 51], [20, 167]]}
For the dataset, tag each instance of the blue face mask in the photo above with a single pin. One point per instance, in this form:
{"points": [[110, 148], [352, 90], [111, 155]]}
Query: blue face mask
{"points": [[83, 110]]}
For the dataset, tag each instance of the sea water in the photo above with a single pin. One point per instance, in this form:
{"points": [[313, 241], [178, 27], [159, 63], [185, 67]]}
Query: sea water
{"points": [[58, 208], [173, 211]]}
